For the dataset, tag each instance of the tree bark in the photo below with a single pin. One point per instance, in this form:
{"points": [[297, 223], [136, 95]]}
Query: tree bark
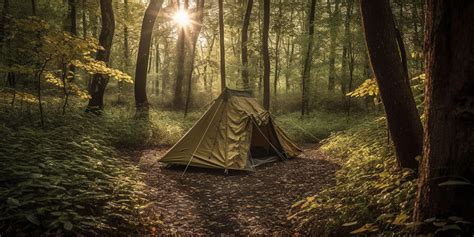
{"points": [[244, 42], [308, 59], [141, 100], [265, 54], [449, 126], [99, 82], [180, 62], [221, 44], [402, 116]]}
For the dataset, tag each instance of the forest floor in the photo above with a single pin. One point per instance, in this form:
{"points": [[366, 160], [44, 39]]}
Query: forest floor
{"points": [[210, 202]]}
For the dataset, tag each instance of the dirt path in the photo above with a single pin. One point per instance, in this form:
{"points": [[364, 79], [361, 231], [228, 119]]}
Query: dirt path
{"points": [[209, 202]]}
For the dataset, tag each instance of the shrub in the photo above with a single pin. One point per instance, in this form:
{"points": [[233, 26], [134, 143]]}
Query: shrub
{"points": [[370, 195], [68, 177]]}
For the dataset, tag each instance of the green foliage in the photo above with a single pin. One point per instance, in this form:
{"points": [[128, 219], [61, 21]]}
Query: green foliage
{"points": [[370, 195], [319, 125], [68, 177]]}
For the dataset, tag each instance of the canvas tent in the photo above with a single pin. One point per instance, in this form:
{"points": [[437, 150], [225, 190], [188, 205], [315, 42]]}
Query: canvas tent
{"points": [[235, 133]]}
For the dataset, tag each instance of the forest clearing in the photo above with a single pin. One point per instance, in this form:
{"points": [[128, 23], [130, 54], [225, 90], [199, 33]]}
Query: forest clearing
{"points": [[236, 118]]}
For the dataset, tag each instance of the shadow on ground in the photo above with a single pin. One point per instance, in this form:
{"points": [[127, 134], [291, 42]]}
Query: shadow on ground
{"points": [[210, 202]]}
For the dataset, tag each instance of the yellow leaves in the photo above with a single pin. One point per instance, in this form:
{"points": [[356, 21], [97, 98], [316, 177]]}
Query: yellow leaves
{"points": [[370, 227], [52, 79], [367, 88], [401, 219]]}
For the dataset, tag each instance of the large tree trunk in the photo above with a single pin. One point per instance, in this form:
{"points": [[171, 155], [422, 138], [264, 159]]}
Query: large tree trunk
{"points": [[221, 44], [99, 81], [141, 100], [244, 42], [265, 54], [447, 169], [308, 59], [180, 63], [402, 116]]}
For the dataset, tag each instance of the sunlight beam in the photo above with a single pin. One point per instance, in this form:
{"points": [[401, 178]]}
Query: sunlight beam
{"points": [[182, 18]]}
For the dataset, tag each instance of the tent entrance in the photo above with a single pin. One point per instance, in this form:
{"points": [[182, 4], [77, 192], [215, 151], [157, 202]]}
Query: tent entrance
{"points": [[261, 151]]}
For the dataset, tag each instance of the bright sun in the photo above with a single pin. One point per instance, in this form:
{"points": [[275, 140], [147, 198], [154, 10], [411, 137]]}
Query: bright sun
{"points": [[182, 18]]}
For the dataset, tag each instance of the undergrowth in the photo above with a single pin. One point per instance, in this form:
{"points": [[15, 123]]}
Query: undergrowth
{"points": [[69, 177], [318, 125], [370, 196]]}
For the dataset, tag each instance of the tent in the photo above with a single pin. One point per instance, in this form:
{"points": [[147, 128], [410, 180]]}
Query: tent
{"points": [[235, 133]]}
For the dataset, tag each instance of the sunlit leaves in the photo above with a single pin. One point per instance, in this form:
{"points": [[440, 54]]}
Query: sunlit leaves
{"points": [[36, 46]]}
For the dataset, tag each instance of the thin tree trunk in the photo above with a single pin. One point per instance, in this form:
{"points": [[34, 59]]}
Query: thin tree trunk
{"points": [[332, 43], [141, 100], [265, 54], [194, 37], [33, 7], [221, 44], [308, 59], [126, 49], [277, 54], [447, 170], [71, 21], [345, 55], [402, 116], [84, 19], [244, 42], [99, 81]]}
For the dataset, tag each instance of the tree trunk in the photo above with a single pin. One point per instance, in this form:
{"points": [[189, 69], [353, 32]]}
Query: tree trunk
{"points": [[308, 59], [141, 100], [276, 74], [345, 44], [71, 21], [333, 26], [449, 126], [402, 116], [194, 37], [221, 44], [126, 49], [84, 19], [265, 54], [99, 81], [244, 42], [3, 22], [33, 7], [180, 73]]}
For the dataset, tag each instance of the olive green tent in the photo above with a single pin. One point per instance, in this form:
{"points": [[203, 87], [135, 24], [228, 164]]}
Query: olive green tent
{"points": [[235, 133]]}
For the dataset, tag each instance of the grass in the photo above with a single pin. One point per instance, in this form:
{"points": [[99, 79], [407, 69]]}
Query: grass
{"points": [[317, 126]]}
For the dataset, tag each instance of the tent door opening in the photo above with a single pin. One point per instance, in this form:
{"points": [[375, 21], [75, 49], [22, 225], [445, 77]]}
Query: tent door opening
{"points": [[261, 152]]}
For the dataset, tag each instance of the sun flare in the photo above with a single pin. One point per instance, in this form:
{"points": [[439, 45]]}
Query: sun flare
{"points": [[182, 18]]}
